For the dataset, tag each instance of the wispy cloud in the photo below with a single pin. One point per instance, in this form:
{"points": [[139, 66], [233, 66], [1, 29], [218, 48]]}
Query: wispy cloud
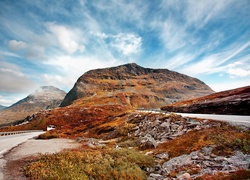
{"points": [[13, 79], [69, 40], [29, 51], [199, 13], [127, 44], [216, 62], [58, 41], [68, 69]]}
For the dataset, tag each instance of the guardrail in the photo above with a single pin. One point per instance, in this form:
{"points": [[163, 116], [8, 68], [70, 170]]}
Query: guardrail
{"points": [[18, 132], [152, 111]]}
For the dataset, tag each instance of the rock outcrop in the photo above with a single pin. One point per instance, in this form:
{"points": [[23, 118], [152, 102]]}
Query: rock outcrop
{"points": [[235, 101], [204, 162], [142, 87], [46, 97]]}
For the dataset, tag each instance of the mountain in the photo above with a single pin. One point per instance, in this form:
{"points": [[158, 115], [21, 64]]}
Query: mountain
{"points": [[2, 107], [46, 97], [139, 87], [100, 115], [235, 101]]}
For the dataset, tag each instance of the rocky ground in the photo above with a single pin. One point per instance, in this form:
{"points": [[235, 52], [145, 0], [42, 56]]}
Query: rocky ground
{"points": [[183, 148], [151, 131]]}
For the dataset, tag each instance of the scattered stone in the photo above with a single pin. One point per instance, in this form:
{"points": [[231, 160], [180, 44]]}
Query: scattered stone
{"points": [[152, 131], [148, 153], [148, 142], [162, 130], [153, 176], [240, 160], [165, 125], [185, 176], [162, 156]]}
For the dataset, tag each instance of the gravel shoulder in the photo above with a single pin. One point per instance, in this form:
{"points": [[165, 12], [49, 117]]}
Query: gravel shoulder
{"points": [[11, 163]]}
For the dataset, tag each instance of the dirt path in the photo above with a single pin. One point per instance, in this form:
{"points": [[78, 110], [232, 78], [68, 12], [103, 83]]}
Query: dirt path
{"points": [[11, 163]]}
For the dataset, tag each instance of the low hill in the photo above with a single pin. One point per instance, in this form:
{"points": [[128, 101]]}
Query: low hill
{"points": [[235, 101], [141, 87], [46, 97]]}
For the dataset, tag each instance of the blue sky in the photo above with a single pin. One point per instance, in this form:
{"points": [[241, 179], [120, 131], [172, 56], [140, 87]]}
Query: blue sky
{"points": [[44, 42]]}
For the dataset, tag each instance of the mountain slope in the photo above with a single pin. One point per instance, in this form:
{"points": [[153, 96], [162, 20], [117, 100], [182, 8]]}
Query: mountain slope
{"points": [[2, 107], [46, 97], [235, 101], [141, 87]]}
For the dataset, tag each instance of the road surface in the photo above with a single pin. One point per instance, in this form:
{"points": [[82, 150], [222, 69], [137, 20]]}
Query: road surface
{"points": [[11, 141], [233, 119]]}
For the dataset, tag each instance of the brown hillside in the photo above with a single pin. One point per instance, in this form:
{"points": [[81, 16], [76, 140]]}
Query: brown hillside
{"points": [[235, 101], [143, 87]]}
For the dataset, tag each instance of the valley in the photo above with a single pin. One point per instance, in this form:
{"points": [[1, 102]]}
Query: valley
{"points": [[101, 113]]}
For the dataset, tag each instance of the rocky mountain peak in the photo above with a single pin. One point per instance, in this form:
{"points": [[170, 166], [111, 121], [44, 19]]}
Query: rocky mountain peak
{"points": [[144, 87], [48, 92], [45, 97]]}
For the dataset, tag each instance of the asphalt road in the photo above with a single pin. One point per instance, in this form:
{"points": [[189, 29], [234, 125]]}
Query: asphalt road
{"points": [[233, 119], [11, 141]]}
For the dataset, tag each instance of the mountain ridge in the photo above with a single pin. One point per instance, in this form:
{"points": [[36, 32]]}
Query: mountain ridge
{"points": [[146, 84], [46, 97], [234, 101], [2, 107]]}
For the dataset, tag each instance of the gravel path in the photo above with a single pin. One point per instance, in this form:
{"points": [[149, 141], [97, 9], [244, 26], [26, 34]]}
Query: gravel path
{"points": [[9, 164]]}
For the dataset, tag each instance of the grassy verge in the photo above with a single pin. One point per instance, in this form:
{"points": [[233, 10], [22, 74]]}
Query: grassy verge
{"points": [[90, 164], [49, 135]]}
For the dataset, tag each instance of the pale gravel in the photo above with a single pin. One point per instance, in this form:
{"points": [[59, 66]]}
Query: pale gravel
{"points": [[35, 147]]}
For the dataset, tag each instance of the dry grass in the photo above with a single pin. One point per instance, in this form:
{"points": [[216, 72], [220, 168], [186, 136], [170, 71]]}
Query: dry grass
{"points": [[237, 175], [90, 164], [225, 138]]}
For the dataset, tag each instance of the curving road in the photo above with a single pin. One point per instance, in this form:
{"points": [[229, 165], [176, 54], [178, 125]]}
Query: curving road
{"points": [[11, 141], [233, 119]]}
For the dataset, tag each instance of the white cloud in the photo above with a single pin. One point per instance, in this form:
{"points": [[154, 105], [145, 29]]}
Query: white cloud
{"points": [[127, 44], [13, 80], [132, 12], [227, 85], [17, 45], [198, 13], [6, 53], [69, 40], [238, 69], [238, 72], [173, 35], [71, 68], [7, 101], [216, 62], [179, 60], [29, 51]]}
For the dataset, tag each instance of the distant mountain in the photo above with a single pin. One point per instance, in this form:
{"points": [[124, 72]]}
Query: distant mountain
{"points": [[235, 101], [2, 107], [46, 97], [136, 86]]}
